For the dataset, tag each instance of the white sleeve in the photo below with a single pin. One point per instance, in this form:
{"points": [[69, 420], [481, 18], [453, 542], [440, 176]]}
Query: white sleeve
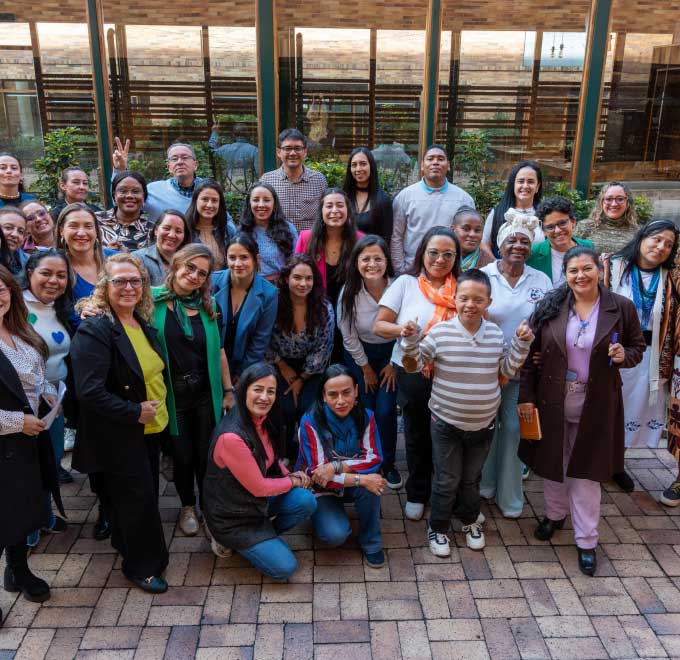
{"points": [[398, 231], [350, 337], [394, 296], [486, 234]]}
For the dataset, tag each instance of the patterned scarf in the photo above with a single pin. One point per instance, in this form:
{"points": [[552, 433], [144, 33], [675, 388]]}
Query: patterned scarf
{"points": [[644, 298], [180, 304], [470, 261], [345, 442]]}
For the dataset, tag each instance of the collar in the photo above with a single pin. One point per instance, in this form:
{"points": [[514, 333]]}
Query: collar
{"points": [[188, 191], [429, 190], [495, 272], [28, 296], [303, 176], [461, 328], [259, 423]]}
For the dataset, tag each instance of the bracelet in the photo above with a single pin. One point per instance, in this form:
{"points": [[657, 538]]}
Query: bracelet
{"points": [[337, 466], [228, 390], [356, 480]]}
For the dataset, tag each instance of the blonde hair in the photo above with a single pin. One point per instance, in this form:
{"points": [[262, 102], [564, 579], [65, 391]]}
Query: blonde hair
{"points": [[628, 219], [182, 257], [100, 295]]}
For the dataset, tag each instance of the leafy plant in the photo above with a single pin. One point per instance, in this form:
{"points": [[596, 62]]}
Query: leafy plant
{"points": [[61, 151], [474, 159], [234, 201], [582, 206], [644, 208], [332, 168]]}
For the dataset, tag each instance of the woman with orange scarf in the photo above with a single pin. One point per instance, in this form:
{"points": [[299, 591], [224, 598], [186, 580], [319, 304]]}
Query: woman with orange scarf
{"points": [[425, 294]]}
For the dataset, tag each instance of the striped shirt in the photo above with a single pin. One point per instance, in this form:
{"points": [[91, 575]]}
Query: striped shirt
{"points": [[465, 388]]}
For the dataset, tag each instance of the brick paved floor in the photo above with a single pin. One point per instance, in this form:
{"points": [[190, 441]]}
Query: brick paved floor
{"points": [[519, 598]]}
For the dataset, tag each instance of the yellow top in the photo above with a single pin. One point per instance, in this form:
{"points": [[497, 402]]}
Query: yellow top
{"points": [[152, 368]]}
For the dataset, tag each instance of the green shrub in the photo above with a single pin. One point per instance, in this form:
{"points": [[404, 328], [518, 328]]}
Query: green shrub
{"points": [[474, 159], [332, 168], [61, 151]]}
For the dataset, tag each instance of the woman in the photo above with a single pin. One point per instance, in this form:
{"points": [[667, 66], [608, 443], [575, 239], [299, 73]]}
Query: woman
{"points": [[250, 496], [340, 451], [515, 290], [12, 191], [301, 340], [585, 335], [368, 356], [613, 221], [197, 377], [248, 303], [118, 374], [468, 226], [425, 293], [126, 227], [13, 224], [39, 226], [27, 467], [640, 272], [209, 221], [371, 205], [170, 233], [522, 194], [74, 186], [265, 222]]}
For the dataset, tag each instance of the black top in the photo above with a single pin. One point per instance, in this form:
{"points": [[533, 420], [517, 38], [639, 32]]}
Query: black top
{"points": [[185, 355], [333, 286], [377, 220], [231, 322]]}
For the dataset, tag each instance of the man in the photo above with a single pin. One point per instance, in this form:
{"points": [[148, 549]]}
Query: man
{"points": [[240, 158], [172, 193], [431, 202], [468, 226], [299, 188], [558, 221]]}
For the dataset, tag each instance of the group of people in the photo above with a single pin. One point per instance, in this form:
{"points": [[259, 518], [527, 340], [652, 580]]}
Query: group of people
{"points": [[269, 358]]}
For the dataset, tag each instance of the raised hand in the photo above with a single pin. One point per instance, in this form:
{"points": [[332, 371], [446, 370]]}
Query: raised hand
{"points": [[120, 154]]}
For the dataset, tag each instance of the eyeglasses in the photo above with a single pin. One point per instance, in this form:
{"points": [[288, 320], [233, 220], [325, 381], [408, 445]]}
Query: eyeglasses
{"points": [[290, 150], [618, 200], [435, 254], [548, 229], [180, 159], [195, 270], [122, 283], [378, 261], [38, 214]]}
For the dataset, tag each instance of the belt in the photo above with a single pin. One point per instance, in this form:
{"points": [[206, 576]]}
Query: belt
{"points": [[575, 386]]}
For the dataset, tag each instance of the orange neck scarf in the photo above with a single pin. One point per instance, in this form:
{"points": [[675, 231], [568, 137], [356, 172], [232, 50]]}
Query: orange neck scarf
{"points": [[442, 299]]}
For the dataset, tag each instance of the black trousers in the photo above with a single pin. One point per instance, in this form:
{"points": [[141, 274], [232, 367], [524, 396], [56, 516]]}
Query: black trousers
{"points": [[458, 458], [195, 424], [413, 396], [136, 528]]}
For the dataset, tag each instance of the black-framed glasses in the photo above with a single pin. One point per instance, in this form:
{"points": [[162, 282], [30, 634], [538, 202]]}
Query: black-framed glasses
{"points": [[561, 224]]}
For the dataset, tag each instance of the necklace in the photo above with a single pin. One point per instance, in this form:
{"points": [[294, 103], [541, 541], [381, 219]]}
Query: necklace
{"points": [[10, 196]]}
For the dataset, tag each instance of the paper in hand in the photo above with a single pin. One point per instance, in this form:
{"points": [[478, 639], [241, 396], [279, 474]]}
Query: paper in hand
{"points": [[52, 415]]}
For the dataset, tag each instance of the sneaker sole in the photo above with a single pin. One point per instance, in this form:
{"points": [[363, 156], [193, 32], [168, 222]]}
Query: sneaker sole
{"points": [[440, 554], [395, 486], [667, 502], [476, 547]]}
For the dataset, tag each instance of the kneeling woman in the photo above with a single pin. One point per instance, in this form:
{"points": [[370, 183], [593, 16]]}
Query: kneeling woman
{"points": [[340, 449], [246, 483], [585, 335]]}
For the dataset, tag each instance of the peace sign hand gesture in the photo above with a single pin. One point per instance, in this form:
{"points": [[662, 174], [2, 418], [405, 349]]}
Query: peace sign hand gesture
{"points": [[120, 154]]}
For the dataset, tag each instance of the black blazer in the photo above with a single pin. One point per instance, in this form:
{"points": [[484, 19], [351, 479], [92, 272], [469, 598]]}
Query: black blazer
{"points": [[27, 467], [110, 388]]}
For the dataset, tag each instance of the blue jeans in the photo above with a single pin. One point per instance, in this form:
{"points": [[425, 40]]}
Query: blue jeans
{"points": [[273, 557], [381, 402], [332, 525]]}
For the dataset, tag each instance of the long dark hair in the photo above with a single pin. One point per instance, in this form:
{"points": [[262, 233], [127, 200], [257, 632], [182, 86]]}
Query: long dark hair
{"points": [[5, 256], [277, 227], [317, 240], [358, 412], [219, 221], [63, 305], [350, 185], [354, 281], [21, 167], [508, 200], [419, 259], [159, 221], [272, 424], [317, 312], [553, 302], [630, 252]]}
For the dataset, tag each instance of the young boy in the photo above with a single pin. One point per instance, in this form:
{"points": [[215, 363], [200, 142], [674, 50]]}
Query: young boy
{"points": [[468, 354]]}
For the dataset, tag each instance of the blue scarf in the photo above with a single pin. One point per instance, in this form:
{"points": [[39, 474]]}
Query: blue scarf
{"points": [[345, 440], [644, 298], [470, 261]]}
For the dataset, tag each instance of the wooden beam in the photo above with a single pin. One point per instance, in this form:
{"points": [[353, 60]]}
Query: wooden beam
{"points": [[372, 79], [452, 106], [39, 85], [267, 83], [428, 114]]}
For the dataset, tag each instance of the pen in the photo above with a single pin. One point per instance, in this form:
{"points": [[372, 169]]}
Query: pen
{"points": [[615, 338]]}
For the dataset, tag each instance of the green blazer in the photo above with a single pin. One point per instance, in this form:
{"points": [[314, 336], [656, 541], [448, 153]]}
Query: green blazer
{"points": [[541, 257]]}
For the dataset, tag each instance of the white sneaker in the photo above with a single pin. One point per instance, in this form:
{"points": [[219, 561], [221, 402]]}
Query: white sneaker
{"points": [[69, 439], [439, 543], [457, 524], [474, 536], [414, 510]]}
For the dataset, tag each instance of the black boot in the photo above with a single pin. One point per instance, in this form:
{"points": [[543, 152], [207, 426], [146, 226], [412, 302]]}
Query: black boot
{"points": [[18, 576], [546, 528], [587, 561], [102, 528], [624, 481]]}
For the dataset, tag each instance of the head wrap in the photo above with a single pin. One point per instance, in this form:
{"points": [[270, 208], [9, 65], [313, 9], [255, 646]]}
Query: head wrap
{"points": [[516, 222]]}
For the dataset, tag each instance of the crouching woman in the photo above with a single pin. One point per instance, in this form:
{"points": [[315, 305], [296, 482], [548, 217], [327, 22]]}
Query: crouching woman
{"points": [[246, 484]]}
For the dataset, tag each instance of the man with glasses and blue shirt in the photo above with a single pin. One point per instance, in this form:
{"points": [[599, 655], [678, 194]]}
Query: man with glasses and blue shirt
{"points": [[299, 189], [431, 202], [558, 221]]}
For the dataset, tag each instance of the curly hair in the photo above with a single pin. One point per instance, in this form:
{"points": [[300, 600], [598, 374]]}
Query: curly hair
{"points": [[100, 295], [184, 256], [277, 226], [628, 219], [317, 312]]}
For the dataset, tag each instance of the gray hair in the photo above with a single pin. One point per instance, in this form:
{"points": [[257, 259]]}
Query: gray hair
{"points": [[174, 145]]}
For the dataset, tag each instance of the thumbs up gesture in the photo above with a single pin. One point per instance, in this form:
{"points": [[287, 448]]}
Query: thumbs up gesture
{"points": [[524, 332]]}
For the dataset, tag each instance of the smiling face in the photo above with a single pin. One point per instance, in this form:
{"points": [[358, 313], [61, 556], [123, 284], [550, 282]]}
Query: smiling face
{"points": [[261, 204], [208, 203], [469, 229], [655, 249], [39, 222], [240, 261], [526, 186], [169, 235], [559, 228], [260, 396], [292, 153], [472, 300], [76, 187], [435, 167], [14, 227], [334, 210], [301, 281], [10, 172], [372, 263], [181, 163], [582, 275], [615, 202], [79, 232], [340, 394], [129, 196], [360, 168], [439, 257], [191, 275], [516, 249], [48, 281], [125, 287]]}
